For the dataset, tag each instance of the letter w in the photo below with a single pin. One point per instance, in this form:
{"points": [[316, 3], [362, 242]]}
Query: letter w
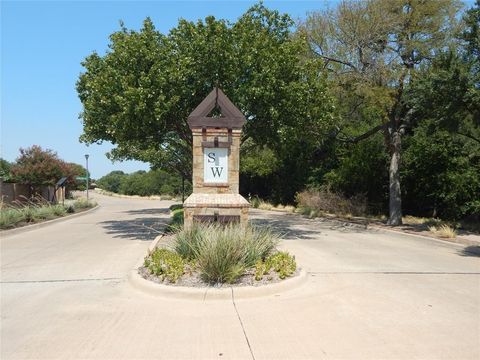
{"points": [[217, 171]]}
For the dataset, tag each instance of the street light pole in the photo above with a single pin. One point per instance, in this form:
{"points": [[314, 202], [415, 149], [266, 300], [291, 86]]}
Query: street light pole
{"points": [[86, 158]]}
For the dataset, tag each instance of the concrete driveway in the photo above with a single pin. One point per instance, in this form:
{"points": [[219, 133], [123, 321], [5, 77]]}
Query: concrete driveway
{"points": [[370, 295]]}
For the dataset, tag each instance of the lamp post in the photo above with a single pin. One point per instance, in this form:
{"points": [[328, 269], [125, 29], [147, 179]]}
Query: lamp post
{"points": [[86, 158]]}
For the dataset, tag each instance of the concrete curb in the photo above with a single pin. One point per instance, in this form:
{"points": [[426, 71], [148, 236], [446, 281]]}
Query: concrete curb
{"points": [[209, 293], [19, 230], [457, 240]]}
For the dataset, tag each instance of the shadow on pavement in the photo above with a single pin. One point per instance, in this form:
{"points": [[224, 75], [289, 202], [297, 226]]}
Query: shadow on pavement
{"points": [[292, 227], [154, 211], [144, 229], [473, 250]]}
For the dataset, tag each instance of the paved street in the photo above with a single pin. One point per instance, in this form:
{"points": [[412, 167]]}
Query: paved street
{"points": [[370, 294]]}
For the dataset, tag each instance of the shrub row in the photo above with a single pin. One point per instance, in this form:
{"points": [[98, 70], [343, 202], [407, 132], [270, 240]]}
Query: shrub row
{"points": [[12, 216]]}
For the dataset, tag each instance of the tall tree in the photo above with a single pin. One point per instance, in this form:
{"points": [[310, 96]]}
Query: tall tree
{"points": [[140, 93], [372, 51]]}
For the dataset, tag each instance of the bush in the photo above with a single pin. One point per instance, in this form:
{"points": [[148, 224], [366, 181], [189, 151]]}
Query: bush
{"points": [[223, 253], [187, 242], [11, 216], [83, 203], [314, 202], [165, 264], [281, 262]]}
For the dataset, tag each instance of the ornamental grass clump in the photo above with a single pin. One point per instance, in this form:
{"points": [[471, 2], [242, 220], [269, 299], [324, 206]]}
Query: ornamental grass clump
{"points": [[18, 213], [223, 253], [443, 231]]}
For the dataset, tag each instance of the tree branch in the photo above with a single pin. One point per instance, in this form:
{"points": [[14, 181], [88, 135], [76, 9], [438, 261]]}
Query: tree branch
{"points": [[328, 58], [365, 135], [469, 136]]}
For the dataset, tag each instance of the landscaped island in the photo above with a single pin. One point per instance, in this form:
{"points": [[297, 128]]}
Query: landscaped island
{"points": [[216, 254]]}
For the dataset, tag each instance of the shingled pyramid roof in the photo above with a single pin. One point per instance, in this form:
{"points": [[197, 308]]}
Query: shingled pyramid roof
{"points": [[230, 118]]}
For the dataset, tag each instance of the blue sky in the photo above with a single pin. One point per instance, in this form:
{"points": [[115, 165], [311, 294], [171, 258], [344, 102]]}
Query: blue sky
{"points": [[42, 45]]}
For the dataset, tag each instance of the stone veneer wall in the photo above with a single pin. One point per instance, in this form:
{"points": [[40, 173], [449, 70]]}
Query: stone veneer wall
{"points": [[233, 161]]}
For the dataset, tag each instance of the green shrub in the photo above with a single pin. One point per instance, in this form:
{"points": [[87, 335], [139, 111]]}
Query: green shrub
{"points": [[176, 223], [176, 207], [281, 262], [83, 203], [187, 242], [43, 213], [28, 213], [165, 264], [223, 253], [10, 217], [59, 210], [255, 201]]}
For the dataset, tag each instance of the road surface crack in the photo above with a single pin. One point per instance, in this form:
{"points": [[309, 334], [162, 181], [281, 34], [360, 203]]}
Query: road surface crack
{"points": [[241, 324], [56, 280]]}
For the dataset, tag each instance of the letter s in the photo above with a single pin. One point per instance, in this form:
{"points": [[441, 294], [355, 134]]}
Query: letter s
{"points": [[211, 157]]}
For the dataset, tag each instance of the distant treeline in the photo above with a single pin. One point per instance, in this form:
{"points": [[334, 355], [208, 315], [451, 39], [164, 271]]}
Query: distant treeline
{"points": [[143, 183]]}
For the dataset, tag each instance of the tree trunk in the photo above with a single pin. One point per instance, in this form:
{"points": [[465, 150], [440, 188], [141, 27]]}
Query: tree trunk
{"points": [[395, 203]]}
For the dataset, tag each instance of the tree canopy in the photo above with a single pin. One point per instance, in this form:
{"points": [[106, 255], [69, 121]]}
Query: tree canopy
{"points": [[36, 167], [375, 97], [139, 94]]}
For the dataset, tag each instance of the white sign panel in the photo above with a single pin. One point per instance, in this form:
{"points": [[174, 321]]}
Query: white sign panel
{"points": [[215, 165]]}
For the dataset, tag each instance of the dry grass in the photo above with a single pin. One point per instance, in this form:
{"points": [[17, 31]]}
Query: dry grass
{"points": [[443, 231], [316, 202], [414, 220], [263, 205]]}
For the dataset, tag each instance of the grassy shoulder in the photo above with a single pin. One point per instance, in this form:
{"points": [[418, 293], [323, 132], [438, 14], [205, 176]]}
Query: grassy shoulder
{"points": [[215, 254], [18, 215]]}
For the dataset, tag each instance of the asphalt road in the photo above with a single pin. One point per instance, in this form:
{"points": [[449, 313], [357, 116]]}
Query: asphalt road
{"points": [[370, 294]]}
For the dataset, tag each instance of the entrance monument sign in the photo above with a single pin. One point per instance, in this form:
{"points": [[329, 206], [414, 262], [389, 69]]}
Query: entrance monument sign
{"points": [[216, 161]]}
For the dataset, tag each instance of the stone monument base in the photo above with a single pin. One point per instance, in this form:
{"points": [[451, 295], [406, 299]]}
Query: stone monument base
{"points": [[224, 208]]}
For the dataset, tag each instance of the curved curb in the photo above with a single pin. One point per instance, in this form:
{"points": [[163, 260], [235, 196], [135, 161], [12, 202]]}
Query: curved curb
{"points": [[19, 230], [209, 293], [190, 293]]}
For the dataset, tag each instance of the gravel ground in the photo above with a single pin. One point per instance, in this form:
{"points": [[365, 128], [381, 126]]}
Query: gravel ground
{"points": [[192, 278]]}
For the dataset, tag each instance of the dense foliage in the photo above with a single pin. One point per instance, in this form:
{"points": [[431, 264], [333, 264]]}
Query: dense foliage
{"points": [[139, 94], [153, 182], [377, 99], [38, 167]]}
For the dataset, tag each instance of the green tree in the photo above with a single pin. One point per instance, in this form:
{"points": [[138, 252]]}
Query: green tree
{"points": [[373, 50], [72, 170], [441, 173], [111, 181], [138, 96], [442, 164], [37, 167], [5, 170]]}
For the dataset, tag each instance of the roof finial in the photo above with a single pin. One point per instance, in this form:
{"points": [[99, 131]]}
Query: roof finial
{"points": [[216, 92]]}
